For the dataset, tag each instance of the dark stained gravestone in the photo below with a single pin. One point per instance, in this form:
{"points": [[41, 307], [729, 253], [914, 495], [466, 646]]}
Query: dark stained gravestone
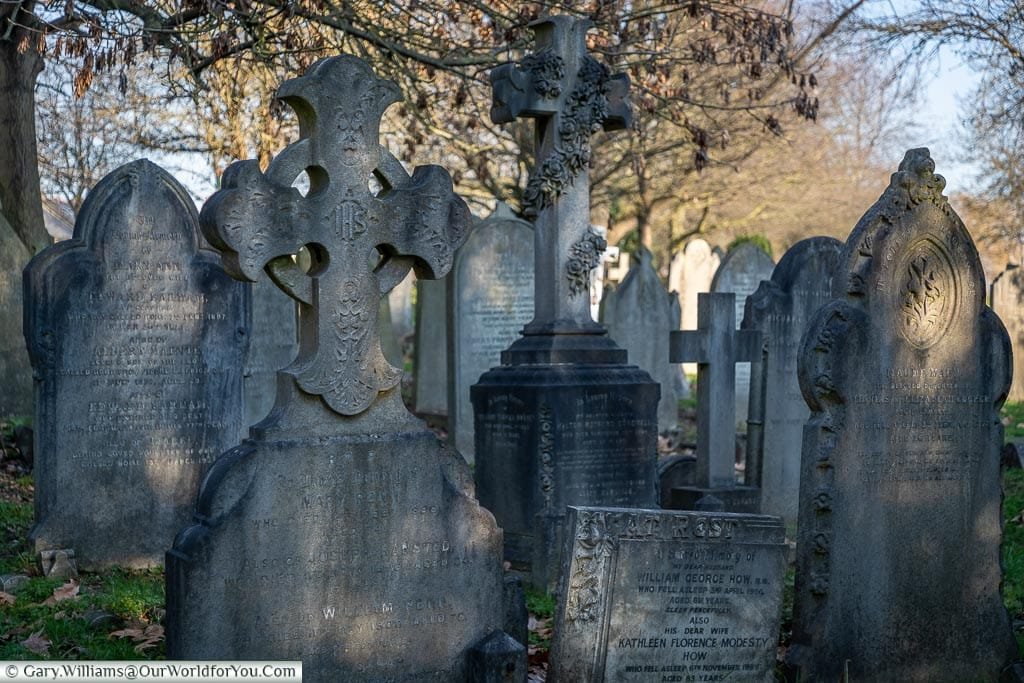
{"points": [[781, 308], [741, 273], [898, 547], [430, 349], [651, 595], [15, 369], [490, 298], [564, 420], [342, 533], [137, 337], [274, 345], [1008, 303], [639, 315]]}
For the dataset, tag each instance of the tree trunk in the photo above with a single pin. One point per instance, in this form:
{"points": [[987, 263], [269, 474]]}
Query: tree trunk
{"points": [[20, 196]]}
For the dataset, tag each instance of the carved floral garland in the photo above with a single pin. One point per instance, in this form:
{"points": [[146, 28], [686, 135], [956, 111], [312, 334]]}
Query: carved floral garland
{"points": [[586, 109]]}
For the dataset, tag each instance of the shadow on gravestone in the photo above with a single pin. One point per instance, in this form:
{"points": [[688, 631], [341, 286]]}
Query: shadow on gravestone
{"points": [[137, 338], [741, 272], [653, 595], [342, 518], [490, 298], [273, 345], [898, 550], [430, 350], [15, 369], [639, 316], [781, 308]]}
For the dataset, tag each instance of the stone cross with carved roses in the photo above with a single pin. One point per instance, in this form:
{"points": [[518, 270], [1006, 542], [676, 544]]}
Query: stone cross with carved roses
{"points": [[571, 95], [363, 242]]}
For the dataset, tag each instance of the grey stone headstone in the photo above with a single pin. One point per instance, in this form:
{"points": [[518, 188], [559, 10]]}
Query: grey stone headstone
{"points": [[639, 317], [741, 272], [342, 533], [274, 345], [1008, 303], [717, 347], [430, 350], [690, 273], [490, 298], [15, 369], [651, 595], [898, 574], [138, 339], [781, 308]]}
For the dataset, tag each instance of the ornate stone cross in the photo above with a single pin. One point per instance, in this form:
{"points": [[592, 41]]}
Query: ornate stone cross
{"points": [[716, 346], [362, 242], [571, 95]]}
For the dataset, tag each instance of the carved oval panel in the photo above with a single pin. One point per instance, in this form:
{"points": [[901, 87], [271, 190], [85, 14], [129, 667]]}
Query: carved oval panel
{"points": [[926, 293]]}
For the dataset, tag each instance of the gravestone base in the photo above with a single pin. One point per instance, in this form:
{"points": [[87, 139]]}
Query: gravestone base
{"points": [[558, 434], [363, 554], [745, 499]]}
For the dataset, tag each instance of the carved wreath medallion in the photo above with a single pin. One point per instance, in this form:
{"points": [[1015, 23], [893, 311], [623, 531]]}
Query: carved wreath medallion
{"points": [[926, 294]]}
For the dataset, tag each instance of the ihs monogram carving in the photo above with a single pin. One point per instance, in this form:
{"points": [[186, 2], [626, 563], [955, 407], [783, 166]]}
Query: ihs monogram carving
{"points": [[363, 243]]}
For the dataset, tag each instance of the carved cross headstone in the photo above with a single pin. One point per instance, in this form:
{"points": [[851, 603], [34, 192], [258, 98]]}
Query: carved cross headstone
{"points": [[342, 517], [258, 220], [571, 95], [716, 346]]}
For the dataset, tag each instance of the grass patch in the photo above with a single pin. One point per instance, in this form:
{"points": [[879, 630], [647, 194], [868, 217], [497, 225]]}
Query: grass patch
{"points": [[1015, 413], [84, 626], [540, 604], [16, 553], [1013, 542]]}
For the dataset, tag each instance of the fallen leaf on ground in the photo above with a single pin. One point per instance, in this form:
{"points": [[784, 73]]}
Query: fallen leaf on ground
{"points": [[144, 637], [6, 598], [65, 592], [36, 643]]}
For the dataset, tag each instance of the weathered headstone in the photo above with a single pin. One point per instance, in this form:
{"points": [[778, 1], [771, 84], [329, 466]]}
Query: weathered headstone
{"points": [[342, 533], [741, 272], [563, 420], [490, 298], [690, 273], [716, 347], [781, 308], [15, 369], [650, 595], [898, 549], [430, 350], [138, 339], [274, 345], [1008, 302], [639, 316]]}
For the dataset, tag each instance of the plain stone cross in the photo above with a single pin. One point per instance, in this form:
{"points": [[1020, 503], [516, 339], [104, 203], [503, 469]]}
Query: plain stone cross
{"points": [[571, 95], [363, 243], [716, 346]]}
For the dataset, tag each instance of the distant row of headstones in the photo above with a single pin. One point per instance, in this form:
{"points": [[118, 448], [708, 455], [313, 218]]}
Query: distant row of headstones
{"points": [[341, 532]]}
